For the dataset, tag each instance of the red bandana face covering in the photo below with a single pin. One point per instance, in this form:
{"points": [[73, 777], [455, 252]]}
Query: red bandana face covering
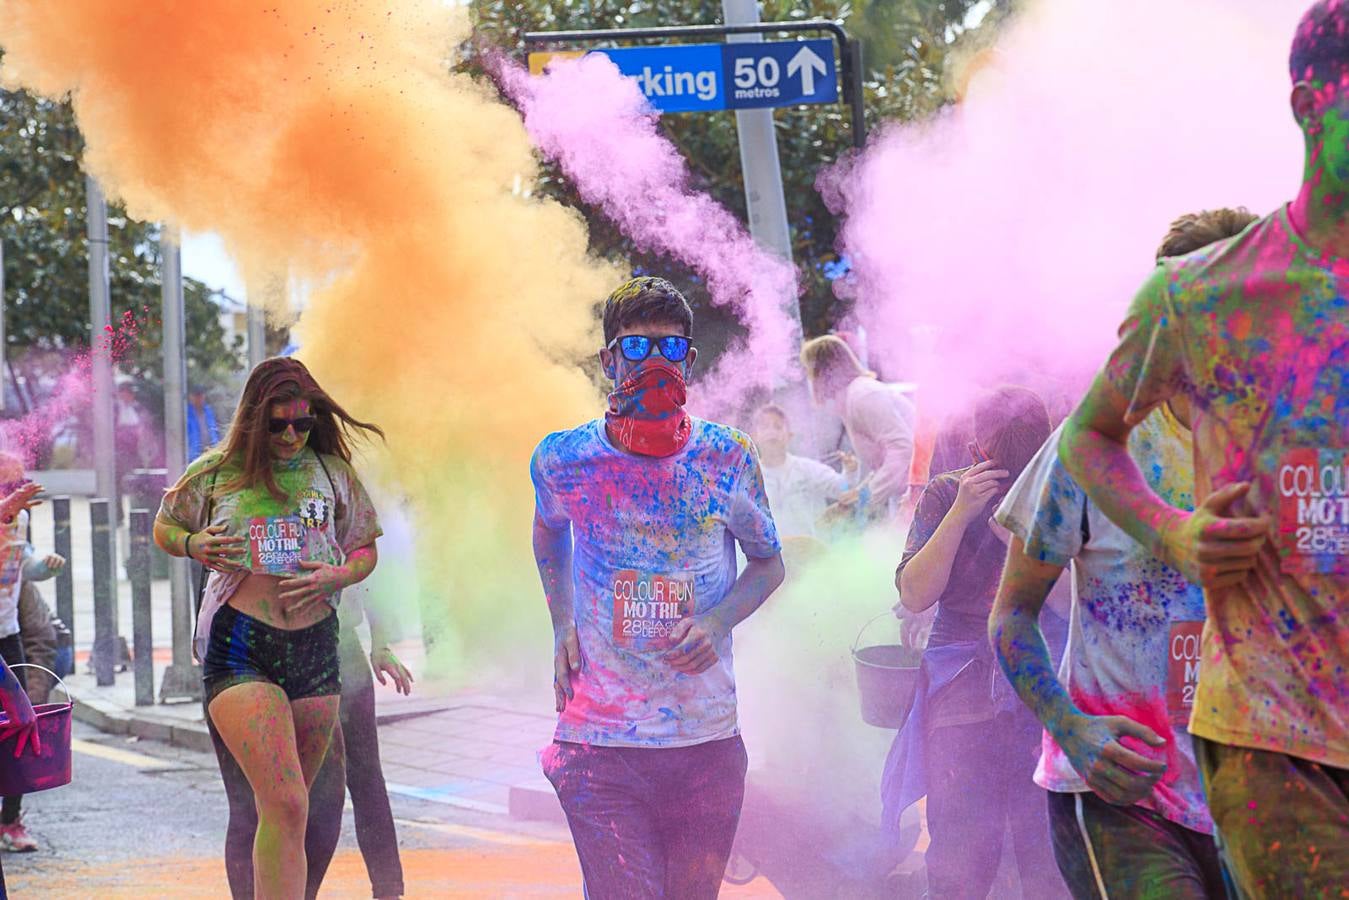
{"points": [[646, 411]]}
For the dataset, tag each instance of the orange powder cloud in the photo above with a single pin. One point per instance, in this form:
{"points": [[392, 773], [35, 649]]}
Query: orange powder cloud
{"points": [[328, 138]]}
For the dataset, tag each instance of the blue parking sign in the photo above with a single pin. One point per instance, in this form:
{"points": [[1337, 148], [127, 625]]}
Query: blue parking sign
{"points": [[703, 77]]}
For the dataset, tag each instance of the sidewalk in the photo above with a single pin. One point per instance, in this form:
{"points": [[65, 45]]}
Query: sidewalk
{"points": [[471, 751], [466, 749]]}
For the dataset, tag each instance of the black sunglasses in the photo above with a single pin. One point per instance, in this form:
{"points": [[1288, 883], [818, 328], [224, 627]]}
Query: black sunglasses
{"points": [[303, 425], [637, 347]]}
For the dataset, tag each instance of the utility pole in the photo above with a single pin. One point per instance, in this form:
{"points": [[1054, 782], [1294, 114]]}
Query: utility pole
{"points": [[257, 332], [764, 200], [182, 679], [105, 448], [100, 318]]}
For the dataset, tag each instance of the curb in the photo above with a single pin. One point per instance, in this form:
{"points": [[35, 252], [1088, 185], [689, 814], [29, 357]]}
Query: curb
{"points": [[112, 719]]}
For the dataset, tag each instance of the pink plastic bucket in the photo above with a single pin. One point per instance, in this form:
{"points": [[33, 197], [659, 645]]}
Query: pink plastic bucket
{"points": [[33, 772]]}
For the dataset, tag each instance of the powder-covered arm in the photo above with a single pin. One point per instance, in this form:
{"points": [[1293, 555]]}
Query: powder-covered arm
{"points": [[552, 555], [697, 641], [925, 570], [1091, 743], [1216, 545], [696, 638]]}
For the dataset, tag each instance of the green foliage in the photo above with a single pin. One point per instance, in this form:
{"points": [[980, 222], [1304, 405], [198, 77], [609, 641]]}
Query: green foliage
{"points": [[42, 227], [906, 44]]}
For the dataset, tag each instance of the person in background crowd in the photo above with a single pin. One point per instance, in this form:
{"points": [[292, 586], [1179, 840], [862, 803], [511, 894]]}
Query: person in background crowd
{"points": [[18, 563], [20, 719], [878, 417], [202, 431], [799, 489], [968, 744], [1126, 807]]}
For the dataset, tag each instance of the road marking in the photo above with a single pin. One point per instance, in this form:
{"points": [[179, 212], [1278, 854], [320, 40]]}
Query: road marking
{"points": [[125, 757], [479, 834]]}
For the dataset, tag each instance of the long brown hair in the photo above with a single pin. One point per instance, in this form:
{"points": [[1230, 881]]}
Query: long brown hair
{"points": [[282, 380]]}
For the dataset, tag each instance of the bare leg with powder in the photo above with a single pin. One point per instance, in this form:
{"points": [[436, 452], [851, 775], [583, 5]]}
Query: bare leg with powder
{"points": [[280, 746]]}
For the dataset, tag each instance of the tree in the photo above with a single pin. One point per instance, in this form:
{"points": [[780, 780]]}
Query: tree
{"points": [[906, 44], [42, 226]]}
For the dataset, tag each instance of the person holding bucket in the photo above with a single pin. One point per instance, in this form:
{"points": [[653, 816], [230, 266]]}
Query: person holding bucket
{"points": [[18, 564], [968, 744], [20, 721], [283, 522]]}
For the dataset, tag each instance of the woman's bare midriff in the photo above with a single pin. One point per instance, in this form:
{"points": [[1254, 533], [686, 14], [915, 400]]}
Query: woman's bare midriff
{"points": [[258, 596]]}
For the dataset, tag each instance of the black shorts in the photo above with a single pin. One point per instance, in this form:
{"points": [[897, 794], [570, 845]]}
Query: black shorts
{"points": [[302, 662]]}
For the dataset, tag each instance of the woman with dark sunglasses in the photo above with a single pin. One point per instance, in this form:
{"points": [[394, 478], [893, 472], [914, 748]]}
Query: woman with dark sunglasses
{"points": [[282, 522]]}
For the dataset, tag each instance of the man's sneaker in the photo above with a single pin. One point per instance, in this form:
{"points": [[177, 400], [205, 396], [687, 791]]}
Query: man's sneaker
{"points": [[16, 839]]}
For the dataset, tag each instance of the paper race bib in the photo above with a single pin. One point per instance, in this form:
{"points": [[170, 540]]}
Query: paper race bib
{"points": [[1183, 654], [1313, 492], [647, 607], [277, 544]]}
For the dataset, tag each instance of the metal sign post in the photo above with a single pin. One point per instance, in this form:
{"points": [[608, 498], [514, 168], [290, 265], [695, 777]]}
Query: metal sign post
{"points": [[182, 679]]}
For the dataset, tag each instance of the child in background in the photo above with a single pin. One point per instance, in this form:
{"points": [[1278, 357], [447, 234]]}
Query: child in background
{"points": [[18, 563], [799, 489]]}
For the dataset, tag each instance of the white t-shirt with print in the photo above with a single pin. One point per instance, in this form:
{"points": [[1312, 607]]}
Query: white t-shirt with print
{"points": [[799, 491], [653, 542], [1133, 639], [14, 552]]}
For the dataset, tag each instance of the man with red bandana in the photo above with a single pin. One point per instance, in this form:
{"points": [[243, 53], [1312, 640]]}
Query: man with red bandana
{"points": [[637, 517], [1254, 332]]}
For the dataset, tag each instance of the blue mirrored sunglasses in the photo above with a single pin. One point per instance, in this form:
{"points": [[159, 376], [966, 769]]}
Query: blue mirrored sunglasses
{"points": [[637, 347]]}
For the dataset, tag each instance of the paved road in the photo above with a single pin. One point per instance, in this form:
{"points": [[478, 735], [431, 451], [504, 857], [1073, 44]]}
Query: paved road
{"points": [[143, 819]]}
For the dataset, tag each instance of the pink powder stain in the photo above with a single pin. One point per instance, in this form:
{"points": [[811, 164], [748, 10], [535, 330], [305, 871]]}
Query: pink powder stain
{"points": [[1147, 710], [25, 436], [598, 126], [1007, 238]]}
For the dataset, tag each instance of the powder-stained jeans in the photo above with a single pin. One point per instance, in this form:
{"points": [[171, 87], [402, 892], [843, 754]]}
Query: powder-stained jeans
{"points": [[1108, 852], [1283, 822], [650, 823], [979, 784], [356, 742]]}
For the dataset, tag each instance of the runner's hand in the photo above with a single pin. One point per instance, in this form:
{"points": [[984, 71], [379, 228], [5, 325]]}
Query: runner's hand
{"points": [[302, 591], [695, 642], [23, 497], [383, 661], [566, 662], [1117, 774], [218, 551], [55, 562], [21, 718], [1214, 546], [977, 486]]}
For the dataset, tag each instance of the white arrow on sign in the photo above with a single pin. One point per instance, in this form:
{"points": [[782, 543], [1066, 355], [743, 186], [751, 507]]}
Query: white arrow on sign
{"points": [[807, 62]]}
